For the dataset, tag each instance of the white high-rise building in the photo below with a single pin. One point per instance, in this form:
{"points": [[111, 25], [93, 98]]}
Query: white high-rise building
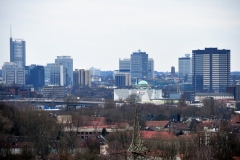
{"points": [[13, 73]]}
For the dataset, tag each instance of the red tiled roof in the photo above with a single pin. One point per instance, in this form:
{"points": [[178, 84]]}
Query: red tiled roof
{"points": [[235, 118], [156, 135], [156, 123]]}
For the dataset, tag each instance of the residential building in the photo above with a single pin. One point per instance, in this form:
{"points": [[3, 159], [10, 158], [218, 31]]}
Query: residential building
{"points": [[66, 61], [124, 65], [82, 77], [18, 51], [58, 75], [13, 73], [185, 68], [139, 65], [211, 70], [122, 80], [34, 75]]}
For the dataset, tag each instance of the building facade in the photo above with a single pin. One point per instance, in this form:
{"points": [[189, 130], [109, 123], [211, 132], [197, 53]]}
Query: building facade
{"points": [[124, 65], [82, 77], [18, 51], [237, 89], [58, 75], [122, 80], [150, 68], [66, 61], [185, 68], [139, 65], [211, 70], [172, 71], [13, 73], [34, 75], [95, 71], [143, 92], [47, 70]]}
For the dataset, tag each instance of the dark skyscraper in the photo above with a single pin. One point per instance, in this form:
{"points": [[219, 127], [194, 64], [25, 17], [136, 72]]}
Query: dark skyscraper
{"points": [[139, 65], [211, 70], [34, 75], [17, 51]]}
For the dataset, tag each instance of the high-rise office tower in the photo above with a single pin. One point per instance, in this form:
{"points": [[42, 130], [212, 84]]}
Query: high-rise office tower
{"points": [[13, 73], [82, 77], [172, 71], [67, 61], [18, 51], [139, 65], [185, 68], [211, 70], [150, 68], [124, 65], [34, 75], [58, 75]]}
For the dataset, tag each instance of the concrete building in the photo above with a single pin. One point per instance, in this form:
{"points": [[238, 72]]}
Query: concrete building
{"points": [[13, 73], [122, 80], [211, 70], [66, 61], [53, 91], [18, 51], [34, 75], [58, 75], [185, 68], [143, 91], [82, 77]]}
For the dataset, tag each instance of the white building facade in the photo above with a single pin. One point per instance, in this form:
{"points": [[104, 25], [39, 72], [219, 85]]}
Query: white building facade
{"points": [[13, 73]]}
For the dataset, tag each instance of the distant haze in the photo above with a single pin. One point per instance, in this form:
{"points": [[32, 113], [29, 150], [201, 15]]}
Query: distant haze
{"points": [[96, 33]]}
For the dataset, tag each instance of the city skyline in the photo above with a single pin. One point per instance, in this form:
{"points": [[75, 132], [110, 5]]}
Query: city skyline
{"points": [[97, 34]]}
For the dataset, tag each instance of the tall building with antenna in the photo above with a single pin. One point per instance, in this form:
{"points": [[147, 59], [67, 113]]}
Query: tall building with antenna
{"points": [[17, 50]]}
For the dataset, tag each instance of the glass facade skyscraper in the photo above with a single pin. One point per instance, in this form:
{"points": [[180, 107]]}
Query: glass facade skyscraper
{"points": [[66, 61], [185, 68], [18, 51], [211, 70]]}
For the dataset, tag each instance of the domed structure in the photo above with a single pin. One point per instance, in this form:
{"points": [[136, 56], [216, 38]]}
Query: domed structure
{"points": [[143, 84]]}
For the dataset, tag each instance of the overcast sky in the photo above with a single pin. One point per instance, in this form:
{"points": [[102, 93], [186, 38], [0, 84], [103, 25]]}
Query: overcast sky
{"points": [[96, 33]]}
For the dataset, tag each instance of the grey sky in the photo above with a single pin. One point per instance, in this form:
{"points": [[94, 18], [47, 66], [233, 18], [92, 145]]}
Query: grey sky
{"points": [[96, 33]]}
